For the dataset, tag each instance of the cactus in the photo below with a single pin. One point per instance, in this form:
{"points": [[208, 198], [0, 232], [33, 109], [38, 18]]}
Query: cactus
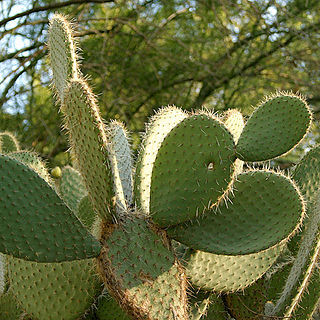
{"points": [[175, 236]]}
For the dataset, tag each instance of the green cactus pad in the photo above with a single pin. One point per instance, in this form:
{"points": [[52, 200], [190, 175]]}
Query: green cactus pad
{"points": [[307, 173], [156, 131], [223, 273], [8, 142], [72, 188], [36, 225], [234, 122], [109, 309], [62, 52], [121, 163], [54, 291], [89, 144], [85, 212], [275, 127], [34, 162], [193, 169], [142, 273], [250, 222]]}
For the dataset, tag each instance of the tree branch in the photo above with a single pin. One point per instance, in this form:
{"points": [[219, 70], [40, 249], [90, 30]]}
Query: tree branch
{"points": [[15, 54], [49, 7], [209, 87]]}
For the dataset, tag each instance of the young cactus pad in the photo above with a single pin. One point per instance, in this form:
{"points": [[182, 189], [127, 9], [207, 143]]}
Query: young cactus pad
{"points": [[89, 143], [62, 52], [275, 127]]}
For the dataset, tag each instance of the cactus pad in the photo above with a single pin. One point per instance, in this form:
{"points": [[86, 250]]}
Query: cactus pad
{"points": [[275, 127], [36, 224], [250, 222], [234, 122], [141, 272], [223, 273], [305, 246], [54, 291], [121, 163], [157, 129], [85, 212], [62, 51], [192, 170], [90, 145], [305, 263], [8, 142], [307, 173], [33, 161], [72, 188], [9, 310]]}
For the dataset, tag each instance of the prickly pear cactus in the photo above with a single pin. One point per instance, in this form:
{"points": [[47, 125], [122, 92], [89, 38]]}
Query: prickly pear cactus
{"points": [[176, 235]]}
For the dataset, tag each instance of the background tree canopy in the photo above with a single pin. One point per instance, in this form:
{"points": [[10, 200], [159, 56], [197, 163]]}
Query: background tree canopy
{"points": [[142, 55]]}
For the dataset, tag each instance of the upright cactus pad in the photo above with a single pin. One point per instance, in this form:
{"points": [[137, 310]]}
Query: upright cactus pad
{"points": [[85, 213], [90, 145], [207, 306], [249, 304], [234, 122], [121, 163], [72, 188], [156, 130], [109, 309], [192, 170], [62, 51], [9, 309], [307, 174], [275, 127]]}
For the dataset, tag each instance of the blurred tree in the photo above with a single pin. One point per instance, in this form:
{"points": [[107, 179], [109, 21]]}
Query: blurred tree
{"points": [[142, 55]]}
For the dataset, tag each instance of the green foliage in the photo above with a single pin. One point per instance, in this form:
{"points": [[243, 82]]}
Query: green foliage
{"points": [[232, 226], [140, 56]]}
